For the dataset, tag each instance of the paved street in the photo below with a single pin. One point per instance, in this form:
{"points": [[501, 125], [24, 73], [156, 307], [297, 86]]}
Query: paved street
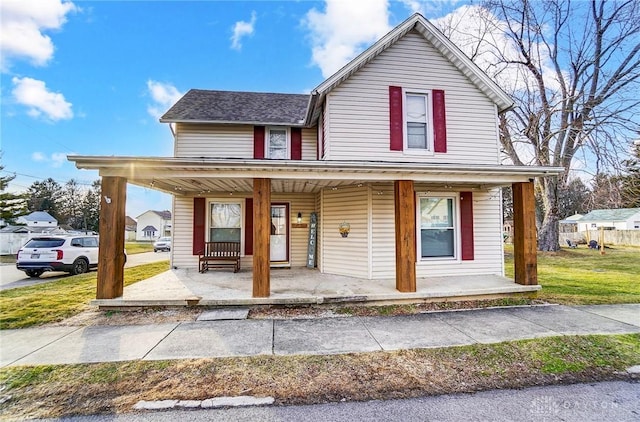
{"points": [[11, 277], [606, 401]]}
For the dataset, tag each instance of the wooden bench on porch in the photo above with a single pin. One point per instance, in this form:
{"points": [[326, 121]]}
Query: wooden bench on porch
{"points": [[220, 255]]}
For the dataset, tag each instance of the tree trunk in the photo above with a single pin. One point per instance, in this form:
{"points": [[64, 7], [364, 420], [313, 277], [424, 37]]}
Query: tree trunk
{"points": [[549, 231]]}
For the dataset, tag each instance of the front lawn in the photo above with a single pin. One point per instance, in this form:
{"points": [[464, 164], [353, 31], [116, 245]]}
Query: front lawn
{"points": [[138, 247], [60, 299], [584, 276]]}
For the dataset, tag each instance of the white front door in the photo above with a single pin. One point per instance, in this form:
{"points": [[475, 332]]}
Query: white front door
{"points": [[279, 233]]}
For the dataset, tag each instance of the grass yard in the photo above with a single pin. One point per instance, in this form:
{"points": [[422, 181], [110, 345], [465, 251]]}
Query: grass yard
{"points": [[583, 276], [54, 301], [138, 247]]}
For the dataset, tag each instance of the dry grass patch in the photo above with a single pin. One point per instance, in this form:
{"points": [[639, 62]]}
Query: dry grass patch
{"points": [[63, 390]]}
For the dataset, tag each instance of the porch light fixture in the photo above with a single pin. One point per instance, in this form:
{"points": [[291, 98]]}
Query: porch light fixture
{"points": [[344, 228], [299, 217]]}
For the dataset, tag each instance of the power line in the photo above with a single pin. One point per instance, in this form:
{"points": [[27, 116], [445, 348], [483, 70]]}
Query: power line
{"points": [[79, 182]]}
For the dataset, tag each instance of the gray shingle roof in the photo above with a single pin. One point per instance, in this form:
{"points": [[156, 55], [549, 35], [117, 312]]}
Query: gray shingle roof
{"points": [[39, 216], [620, 214], [199, 105]]}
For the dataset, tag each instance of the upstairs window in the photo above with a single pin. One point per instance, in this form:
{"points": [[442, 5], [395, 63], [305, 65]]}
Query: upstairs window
{"points": [[417, 121], [278, 144]]}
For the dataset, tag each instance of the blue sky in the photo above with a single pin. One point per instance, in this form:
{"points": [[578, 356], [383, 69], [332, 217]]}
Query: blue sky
{"points": [[92, 77]]}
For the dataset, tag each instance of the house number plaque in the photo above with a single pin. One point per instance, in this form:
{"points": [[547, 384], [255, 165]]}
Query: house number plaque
{"points": [[313, 232]]}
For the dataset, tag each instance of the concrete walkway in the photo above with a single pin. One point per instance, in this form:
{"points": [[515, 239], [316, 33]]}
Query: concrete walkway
{"points": [[222, 336]]}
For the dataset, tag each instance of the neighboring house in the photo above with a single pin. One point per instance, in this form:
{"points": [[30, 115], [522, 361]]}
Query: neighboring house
{"points": [[151, 225], [619, 219], [130, 229], [397, 156], [38, 219], [570, 224]]}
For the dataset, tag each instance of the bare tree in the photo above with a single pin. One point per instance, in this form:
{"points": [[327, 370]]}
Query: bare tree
{"points": [[573, 69], [630, 181]]}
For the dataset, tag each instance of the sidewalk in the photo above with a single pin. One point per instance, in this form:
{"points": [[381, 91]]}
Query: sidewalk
{"points": [[247, 337]]}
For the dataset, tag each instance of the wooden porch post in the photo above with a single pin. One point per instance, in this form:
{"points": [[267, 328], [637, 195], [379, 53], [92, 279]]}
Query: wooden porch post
{"points": [[405, 213], [524, 234], [261, 237], [111, 251]]}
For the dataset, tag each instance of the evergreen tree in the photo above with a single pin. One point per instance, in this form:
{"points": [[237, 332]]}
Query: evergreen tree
{"points": [[12, 205], [45, 196]]}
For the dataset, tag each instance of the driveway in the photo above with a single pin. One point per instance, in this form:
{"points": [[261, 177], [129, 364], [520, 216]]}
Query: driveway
{"points": [[11, 277]]}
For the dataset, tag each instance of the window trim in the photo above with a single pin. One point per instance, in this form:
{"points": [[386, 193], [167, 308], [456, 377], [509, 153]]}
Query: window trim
{"points": [[428, 98], [457, 247], [237, 201], [267, 139]]}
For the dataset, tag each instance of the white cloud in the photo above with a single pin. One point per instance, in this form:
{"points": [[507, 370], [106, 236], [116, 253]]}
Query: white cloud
{"points": [[38, 156], [242, 29], [35, 95], [344, 29], [164, 95], [56, 159], [22, 27]]}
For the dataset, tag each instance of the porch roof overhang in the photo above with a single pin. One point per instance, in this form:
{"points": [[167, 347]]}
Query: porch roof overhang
{"points": [[197, 176]]}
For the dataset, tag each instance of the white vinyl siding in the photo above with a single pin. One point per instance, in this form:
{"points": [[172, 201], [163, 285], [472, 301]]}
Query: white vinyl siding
{"points": [[348, 256], [384, 232], [182, 246], [309, 143], [358, 109], [211, 140], [228, 141]]}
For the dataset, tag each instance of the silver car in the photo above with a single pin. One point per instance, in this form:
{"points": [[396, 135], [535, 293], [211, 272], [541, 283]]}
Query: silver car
{"points": [[162, 244]]}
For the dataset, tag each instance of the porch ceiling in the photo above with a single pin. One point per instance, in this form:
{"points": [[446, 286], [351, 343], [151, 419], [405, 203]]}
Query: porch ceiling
{"points": [[195, 176]]}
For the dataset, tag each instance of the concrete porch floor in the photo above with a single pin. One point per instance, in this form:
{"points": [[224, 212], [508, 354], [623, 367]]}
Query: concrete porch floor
{"points": [[302, 286]]}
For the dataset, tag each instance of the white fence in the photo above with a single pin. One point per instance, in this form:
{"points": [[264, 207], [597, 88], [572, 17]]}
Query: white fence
{"points": [[611, 237], [11, 242]]}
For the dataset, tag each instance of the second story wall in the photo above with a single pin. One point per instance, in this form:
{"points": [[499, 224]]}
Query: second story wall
{"points": [[228, 141], [358, 110]]}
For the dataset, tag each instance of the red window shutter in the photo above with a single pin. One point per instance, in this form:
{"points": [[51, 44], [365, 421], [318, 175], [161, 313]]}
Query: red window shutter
{"points": [[466, 225], [296, 143], [396, 119], [258, 142], [439, 122], [248, 226], [199, 224]]}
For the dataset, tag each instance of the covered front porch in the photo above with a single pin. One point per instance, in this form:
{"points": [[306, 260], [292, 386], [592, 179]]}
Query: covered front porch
{"points": [[302, 286], [391, 187]]}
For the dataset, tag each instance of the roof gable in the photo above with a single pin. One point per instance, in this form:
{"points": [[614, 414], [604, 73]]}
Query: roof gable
{"points": [[199, 106], [445, 46]]}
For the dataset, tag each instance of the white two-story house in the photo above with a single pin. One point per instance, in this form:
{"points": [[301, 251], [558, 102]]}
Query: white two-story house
{"points": [[395, 158]]}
